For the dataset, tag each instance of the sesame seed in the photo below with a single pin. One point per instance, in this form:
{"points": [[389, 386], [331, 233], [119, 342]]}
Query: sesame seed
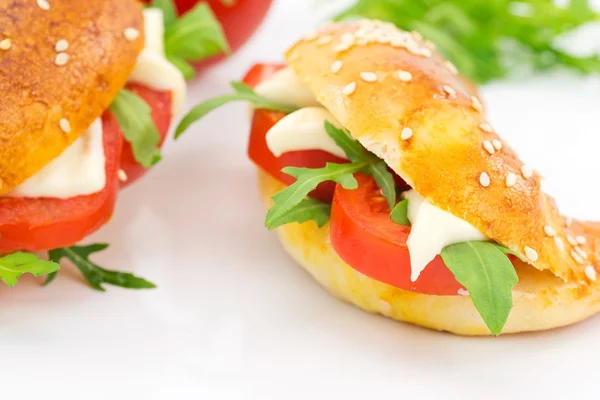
{"points": [[452, 68], [362, 42], [425, 52], [486, 128], [341, 47], [131, 34], [122, 175], [5, 44], [398, 42], [310, 36], [404, 76], [413, 48], [487, 145], [582, 253], [577, 257], [463, 292], [43, 4], [336, 66], [550, 231], [65, 125], [417, 35], [324, 40], [569, 221], [531, 253], [61, 45], [406, 133], [476, 104], [497, 144], [348, 37], [581, 239], [349, 88], [430, 45], [526, 171], [559, 243], [484, 179], [385, 307], [382, 39], [368, 76], [511, 179], [61, 59], [590, 272], [451, 92], [572, 240]]}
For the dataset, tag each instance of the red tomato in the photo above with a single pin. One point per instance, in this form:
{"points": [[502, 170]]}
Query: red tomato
{"points": [[365, 237], [260, 72], [160, 102], [38, 224], [239, 18]]}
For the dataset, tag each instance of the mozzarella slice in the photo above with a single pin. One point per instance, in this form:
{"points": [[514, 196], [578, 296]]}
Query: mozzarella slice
{"points": [[432, 230], [285, 87], [303, 130], [79, 170]]}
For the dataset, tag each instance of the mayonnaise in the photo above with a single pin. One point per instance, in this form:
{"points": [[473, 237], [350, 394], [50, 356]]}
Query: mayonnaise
{"points": [[432, 230], [79, 170], [285, 87], [304, 130]]}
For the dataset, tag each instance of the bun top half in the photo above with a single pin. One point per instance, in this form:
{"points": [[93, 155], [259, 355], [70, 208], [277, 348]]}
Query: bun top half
{"points": [[406, 104], [39, 87]]}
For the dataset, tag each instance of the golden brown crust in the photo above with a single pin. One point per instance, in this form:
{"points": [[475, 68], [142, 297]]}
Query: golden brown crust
{"points": [[37, 93], [540, 300], [446, 155]]}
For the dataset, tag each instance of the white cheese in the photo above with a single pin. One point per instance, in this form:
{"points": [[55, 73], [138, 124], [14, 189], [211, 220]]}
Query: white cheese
{"points": [[285, 87], [432, 230], [303, 129], [79, 170], [152, 68]]}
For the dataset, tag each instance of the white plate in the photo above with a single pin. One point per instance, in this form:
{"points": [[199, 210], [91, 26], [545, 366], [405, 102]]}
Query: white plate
{"points": [[235, 318]]}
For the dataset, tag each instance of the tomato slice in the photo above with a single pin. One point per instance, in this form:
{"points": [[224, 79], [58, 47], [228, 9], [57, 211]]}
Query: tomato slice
{"points": [[161, 103], [38, 224], [365, 237], [260, 72]]}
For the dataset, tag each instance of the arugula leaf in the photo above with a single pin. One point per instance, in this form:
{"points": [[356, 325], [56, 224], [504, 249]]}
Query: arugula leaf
{"points": [[306, 181], [399, 214], [307, 209], [186, 69], [12, 266], [356, 153], [96, 275], [489, 277], [135, 119], [168, 9], [242, 93], [489, 40], [195, 36]]}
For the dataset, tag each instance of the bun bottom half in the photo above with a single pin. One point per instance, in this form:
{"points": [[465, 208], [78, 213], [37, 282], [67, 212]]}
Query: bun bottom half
{"points": [[540, 300]]}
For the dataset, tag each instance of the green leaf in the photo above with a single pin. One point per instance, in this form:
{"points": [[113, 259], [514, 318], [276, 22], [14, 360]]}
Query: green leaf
{"points": [[354, 151], [242, 93], [186, 69], [96, 275], [488, 275], [168, 9], [306, 181], [506, 250], [196, 35], [399, 213], [135, 119], [385, 181], [12, 266], [306, 210]]}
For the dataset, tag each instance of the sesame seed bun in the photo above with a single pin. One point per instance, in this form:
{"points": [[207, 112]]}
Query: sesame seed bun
{"points": [[51, 95], [433, 133], [540, 300]]}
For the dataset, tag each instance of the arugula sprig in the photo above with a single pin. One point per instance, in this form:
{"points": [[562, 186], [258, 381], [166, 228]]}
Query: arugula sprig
{"points": [[192, 37], [242, 92], [290, 204], [12, 266], [489, 40], [93, 273], [489, 276]]}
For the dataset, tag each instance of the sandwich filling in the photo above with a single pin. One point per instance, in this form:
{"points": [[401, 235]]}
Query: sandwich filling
{"points": [[432, 228]]}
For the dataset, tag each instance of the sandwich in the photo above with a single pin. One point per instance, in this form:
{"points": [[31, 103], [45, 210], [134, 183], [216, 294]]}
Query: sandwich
{"points": [[385, 181], [88, 96]]}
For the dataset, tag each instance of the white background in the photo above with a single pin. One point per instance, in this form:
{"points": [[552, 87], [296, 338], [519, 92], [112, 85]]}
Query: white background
{"points": [[235, 318]]}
